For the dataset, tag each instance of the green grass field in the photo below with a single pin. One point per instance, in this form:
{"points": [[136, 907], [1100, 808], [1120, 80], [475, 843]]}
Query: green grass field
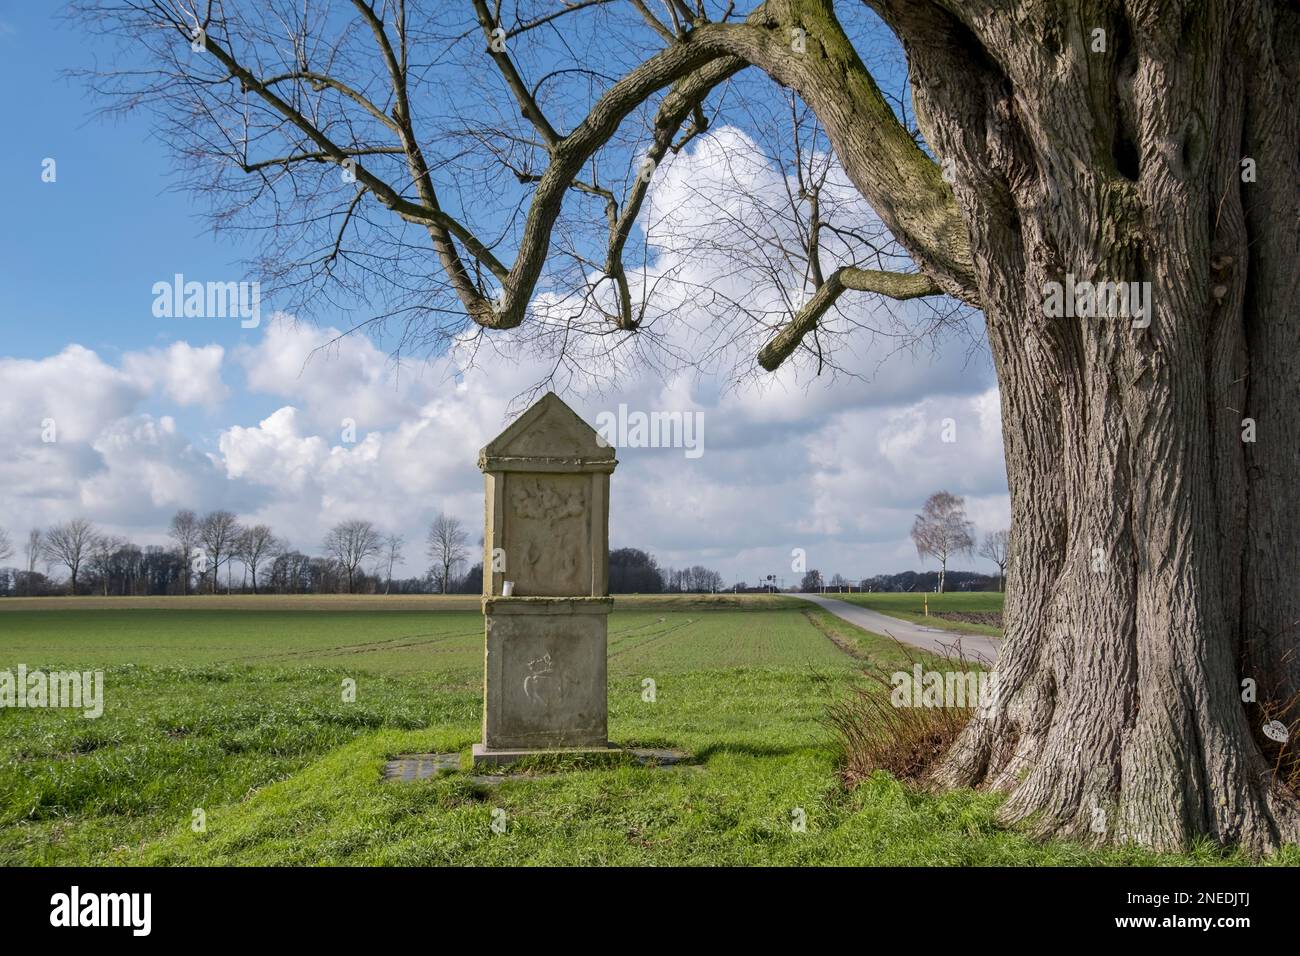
{"points": [[234, 706]]}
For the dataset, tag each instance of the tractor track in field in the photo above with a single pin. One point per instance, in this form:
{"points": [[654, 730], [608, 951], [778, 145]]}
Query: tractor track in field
{"points": [[635, 627], [368, 647], [652, 640], [404, 641]]}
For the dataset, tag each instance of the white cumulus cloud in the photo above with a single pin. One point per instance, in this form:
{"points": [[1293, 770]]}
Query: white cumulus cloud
{"points": [[329, 428]]}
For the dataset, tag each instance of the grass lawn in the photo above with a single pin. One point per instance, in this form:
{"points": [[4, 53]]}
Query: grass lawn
{"points": [[910, 606], [233, 706]]}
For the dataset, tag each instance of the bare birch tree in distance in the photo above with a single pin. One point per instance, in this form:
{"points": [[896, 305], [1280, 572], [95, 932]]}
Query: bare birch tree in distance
{"points": [[941, 531]]}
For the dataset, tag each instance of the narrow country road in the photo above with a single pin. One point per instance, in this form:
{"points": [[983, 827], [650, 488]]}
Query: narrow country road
{"points": [[936, 640]]}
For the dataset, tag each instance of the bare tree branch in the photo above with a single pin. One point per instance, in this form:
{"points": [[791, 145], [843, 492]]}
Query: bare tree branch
{"points": [[895, 285]]}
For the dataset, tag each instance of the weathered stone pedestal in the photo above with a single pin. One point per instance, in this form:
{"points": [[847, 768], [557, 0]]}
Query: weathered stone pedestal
{"points": [[544, 680], [547, 534]]}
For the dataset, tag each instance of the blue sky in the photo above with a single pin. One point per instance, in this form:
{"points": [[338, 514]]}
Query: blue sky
{"points": [[81, 254], [161, 413]]}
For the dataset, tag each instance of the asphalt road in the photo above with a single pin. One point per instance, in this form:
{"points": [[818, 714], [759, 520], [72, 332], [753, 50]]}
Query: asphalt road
{"points": [[936, 640]]}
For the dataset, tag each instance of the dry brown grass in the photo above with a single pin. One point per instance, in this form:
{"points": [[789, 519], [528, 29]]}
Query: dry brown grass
{"points": [[905, 741]]}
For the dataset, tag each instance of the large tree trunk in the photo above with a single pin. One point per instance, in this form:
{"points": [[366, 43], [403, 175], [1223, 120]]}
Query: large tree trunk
{"points": [[1153, 550]]}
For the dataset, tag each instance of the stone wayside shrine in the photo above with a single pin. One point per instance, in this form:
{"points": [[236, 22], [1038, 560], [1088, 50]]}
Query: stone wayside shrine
{"points": [[545, 586]]}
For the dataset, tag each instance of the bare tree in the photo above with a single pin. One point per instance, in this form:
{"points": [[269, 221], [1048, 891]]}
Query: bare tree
{"points": [[34, 549], [255, 547], [6, 547], [70, 544], [102, 549], [1143, 145], [392, 554], [219, 533], [446, 547], [941, 530], [184, 530], [350, 543], [996, 546]]}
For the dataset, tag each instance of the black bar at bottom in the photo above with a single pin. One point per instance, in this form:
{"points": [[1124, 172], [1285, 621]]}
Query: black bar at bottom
{"points": [[401, 908]]}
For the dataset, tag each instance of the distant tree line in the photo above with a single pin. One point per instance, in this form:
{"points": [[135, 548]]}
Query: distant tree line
{"points": [[633, 571], [929, 581], [814, 581], [358, 558], [216, 553]]}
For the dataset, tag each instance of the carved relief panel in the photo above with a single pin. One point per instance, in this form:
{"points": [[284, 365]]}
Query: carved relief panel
{"points": [[548, 534]]}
